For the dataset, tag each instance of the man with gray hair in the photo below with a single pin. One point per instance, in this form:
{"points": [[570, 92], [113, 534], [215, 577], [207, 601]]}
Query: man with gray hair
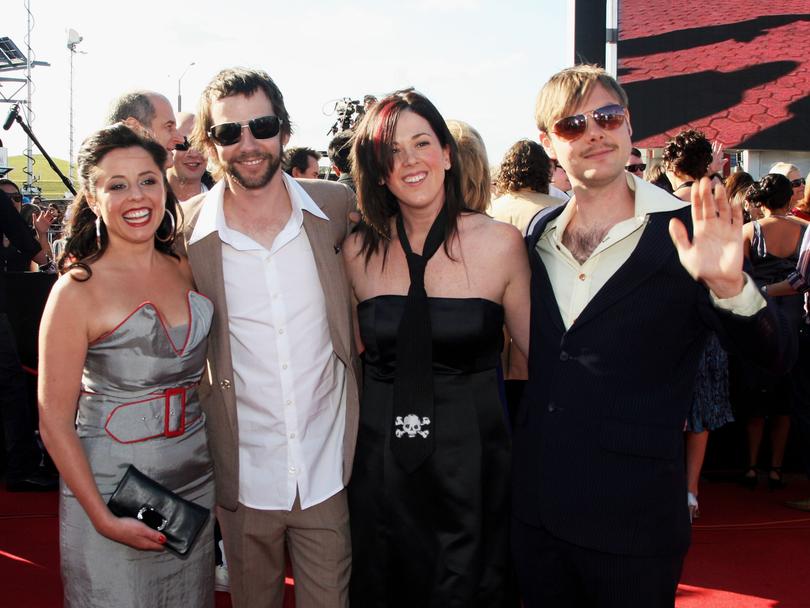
{"points": [[150, 113]]}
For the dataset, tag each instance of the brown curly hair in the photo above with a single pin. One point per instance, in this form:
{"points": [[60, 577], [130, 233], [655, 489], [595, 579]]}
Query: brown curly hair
{"points": [[688, 153], [83, 246], [525, 165]]}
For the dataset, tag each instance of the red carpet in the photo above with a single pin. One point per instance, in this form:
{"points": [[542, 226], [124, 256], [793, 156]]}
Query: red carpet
{"points": [[748, 551]]}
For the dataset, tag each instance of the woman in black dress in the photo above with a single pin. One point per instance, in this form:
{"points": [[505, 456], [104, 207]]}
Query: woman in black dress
{"points": [[435, 282]]}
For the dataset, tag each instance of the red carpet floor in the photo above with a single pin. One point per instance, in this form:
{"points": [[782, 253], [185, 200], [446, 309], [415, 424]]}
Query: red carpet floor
{"points": [[748, 551]]}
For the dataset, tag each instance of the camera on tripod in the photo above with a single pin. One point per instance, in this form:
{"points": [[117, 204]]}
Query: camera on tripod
{"points": [[349, 112]]}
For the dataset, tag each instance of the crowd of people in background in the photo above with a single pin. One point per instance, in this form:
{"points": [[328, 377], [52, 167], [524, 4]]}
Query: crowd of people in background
{"points": [[493, 382]]}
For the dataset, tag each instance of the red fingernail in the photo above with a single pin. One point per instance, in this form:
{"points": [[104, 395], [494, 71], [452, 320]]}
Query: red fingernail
{"points": [[162, 540]]}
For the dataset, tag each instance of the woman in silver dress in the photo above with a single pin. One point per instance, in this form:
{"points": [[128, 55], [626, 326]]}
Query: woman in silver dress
{"points": [[122, 347]]}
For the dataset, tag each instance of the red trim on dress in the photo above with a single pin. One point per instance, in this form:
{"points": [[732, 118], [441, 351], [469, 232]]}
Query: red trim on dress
{"points": [[163, 323]]}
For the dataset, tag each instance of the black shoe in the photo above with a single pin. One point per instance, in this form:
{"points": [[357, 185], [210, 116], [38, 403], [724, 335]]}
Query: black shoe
{"points": [[775, 481], [36, 482], [750, 478]]}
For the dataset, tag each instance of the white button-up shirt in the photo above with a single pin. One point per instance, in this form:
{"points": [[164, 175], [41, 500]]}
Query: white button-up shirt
{"points": [[290, 386]]}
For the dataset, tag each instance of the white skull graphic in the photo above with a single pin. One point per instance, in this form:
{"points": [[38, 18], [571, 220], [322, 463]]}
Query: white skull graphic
{"points": [[411, 426]]}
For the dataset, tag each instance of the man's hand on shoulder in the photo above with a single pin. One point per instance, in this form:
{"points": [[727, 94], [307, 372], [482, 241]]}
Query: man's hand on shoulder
{"points": [[715, 254]]}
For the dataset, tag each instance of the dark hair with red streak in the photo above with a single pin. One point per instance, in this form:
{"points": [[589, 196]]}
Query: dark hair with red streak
{"points": [[373, 160]]}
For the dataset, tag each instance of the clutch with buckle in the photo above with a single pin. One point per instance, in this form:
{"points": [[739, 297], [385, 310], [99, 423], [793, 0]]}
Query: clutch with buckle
{"points": [[143, 498]]}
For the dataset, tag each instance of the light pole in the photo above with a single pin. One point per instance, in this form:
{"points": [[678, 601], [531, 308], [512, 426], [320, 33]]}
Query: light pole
{"points": [[73, 40], [179, 81]]}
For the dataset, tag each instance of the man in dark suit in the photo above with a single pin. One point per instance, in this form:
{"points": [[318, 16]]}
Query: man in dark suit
{"points": [[281, 392], [620, 314]]}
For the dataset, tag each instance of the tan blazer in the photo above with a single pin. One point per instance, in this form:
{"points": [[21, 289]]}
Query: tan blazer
{"points": [[217, 387]]}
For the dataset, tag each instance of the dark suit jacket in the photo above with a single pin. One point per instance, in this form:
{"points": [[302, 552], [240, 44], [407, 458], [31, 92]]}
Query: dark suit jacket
{"points": [[216, 388], [598, 443]]}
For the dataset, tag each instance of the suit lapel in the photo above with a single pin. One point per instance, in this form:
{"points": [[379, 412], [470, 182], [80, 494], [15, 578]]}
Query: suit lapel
{"points": [[205, 257], [653, 250], [540, 279], [332, 276]]}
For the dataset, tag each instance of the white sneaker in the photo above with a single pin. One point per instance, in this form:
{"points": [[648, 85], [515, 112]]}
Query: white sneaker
{"points": [[221, 578]]}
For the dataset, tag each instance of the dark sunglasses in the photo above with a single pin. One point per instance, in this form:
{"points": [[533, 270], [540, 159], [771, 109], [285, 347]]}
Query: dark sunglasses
{"points": [[228, 133], [797, 182], [184, 146], [608, 117], [636, 167]]}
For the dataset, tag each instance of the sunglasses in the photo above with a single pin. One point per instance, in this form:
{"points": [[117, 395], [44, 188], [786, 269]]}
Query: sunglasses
{"points": [[608, 117], [797, 182], [183, 147], [228, 133], [636, 167]]}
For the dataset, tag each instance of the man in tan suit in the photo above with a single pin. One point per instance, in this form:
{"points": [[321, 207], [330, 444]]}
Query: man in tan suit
{"points": [[280, 393]]}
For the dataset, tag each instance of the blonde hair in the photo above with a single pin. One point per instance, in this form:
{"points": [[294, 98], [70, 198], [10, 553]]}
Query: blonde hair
{"points": [[566, 89], [474, 165]]}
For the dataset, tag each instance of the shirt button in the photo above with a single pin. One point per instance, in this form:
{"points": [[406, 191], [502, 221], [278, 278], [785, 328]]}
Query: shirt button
{"points": [[550, 408], [292, 470], [564, 356], [283, 366], [281, 331], [225, 384], [275, 296], [289, 401], [292, 435], [581, 277]]}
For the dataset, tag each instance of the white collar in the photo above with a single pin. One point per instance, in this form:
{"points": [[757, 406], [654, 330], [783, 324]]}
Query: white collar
{"points": [[212, 214]]}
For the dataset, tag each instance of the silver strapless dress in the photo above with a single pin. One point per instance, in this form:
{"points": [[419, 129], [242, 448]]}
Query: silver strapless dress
{"points": [[139, 406]]}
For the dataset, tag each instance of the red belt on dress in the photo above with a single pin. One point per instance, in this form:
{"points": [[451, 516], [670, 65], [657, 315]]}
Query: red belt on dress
{"points": [[165, 414]]}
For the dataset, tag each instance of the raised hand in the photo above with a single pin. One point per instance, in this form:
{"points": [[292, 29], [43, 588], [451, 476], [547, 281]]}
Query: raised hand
{"points": [[718, 160], [42, 221], [715, 254]]}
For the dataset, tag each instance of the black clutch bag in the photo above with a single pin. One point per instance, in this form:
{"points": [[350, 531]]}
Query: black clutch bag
{"points": [[179, 520]]}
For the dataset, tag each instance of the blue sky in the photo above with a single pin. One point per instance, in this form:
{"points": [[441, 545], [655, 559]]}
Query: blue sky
{"points": [[478, 60]]}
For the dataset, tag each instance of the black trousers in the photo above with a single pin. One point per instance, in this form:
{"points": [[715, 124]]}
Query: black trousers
{"points": [[554, 573], [22, 453]]}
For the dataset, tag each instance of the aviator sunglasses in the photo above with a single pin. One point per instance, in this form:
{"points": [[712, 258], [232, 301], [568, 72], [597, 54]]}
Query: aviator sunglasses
{"points": [[608, 117], [228, 133], [797, 182]]}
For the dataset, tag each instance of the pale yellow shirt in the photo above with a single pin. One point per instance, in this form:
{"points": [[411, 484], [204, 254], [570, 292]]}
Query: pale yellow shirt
{"points": [[576, 284]]}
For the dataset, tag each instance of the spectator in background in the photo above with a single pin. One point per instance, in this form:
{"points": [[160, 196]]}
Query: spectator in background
{"points": [[560, 185], [802, 208], [13, 259], [772, 245], [338, 152], [301, 163], [152, 114], [797, 182], [474, 165], [22, 452], [688, 157], [522, 183], [39, 222], [186, 174], [656, 174], [634, 163], [737, 185]]}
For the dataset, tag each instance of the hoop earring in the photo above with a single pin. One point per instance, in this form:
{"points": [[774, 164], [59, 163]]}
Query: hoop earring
{"points": [[98, 231], [172, 230]]}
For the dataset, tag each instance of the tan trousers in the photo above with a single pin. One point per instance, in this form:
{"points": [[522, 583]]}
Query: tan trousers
{"points": [[319, 545]]}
